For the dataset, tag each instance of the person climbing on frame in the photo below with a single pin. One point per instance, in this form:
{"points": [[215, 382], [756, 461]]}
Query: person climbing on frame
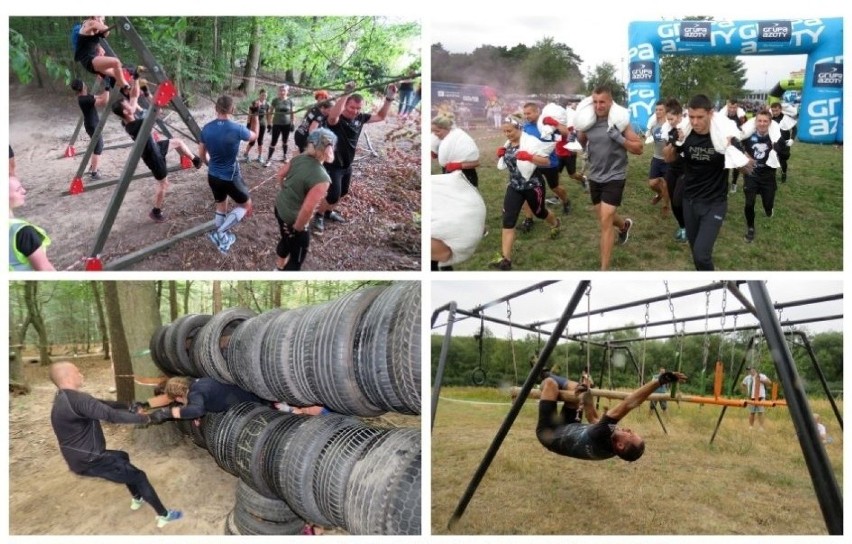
{"points": [[600, 438]]}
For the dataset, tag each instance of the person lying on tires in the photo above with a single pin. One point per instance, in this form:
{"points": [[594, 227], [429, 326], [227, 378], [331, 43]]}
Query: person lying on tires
{"points": [[197, 396]]}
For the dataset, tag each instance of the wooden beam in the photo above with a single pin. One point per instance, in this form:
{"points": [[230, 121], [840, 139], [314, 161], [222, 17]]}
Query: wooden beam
{"points": [[610, 394]]}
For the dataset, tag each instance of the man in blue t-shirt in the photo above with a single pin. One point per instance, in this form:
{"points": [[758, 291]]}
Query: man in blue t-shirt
{"points": [[601, 438], [219, 147]]}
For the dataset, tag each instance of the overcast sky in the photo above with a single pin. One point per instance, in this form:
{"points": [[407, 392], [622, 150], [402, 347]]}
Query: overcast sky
{"points": [[551, 302], [599, 36]]}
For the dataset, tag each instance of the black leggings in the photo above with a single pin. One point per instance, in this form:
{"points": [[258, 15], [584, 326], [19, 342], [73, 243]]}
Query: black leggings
{"points": [[767, 196], [703, 222], [115, 466], [674, 183], [514, 201], [284, 132]]}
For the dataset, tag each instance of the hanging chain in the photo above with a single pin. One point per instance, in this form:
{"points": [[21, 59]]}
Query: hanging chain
{"points": [[589, 329], [706, 348], [671, 306], [722, 322], [733, 345], [644, 344], [512, 340]]}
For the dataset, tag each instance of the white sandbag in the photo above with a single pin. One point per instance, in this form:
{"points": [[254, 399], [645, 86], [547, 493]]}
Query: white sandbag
{"points": [[458, 215], [585, 117], [436, 143], [721, 129], [790, 109], [734, 158], [457, 146], [787, 123], [666, 129], [532, 145], [749, 128], [551, 110]]}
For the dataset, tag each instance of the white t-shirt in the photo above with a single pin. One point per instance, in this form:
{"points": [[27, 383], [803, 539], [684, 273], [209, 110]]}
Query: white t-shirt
{"points": [[747, 382]]}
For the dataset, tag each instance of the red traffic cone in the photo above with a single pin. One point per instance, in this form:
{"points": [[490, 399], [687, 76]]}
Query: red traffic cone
{"points": [[70, 151], [94, 264], [76, 186]]}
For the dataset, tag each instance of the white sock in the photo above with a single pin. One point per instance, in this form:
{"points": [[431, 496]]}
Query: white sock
{"points": [[235, 216], [219, 219]]}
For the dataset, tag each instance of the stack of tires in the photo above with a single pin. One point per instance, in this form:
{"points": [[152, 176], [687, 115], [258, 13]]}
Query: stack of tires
{"points": [[358, 355]]}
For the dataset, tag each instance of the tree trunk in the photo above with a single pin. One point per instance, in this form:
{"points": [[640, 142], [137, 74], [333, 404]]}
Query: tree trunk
{"points": [[178, 61], [217, 296], [252, 59], [188, 283], [174, 311], [102, 326], [17, 379], [133, 317], [34, 316], [276, 294]]}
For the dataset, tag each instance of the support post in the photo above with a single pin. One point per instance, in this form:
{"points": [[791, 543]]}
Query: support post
{"points": [[819, 467], [519, 403], [442, 358]]}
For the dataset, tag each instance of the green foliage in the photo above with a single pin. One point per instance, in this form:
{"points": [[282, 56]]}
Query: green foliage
{"points": [[57, 70], [547, 67], [604, 74], [718, 77], [210, 52], [19, 57]]}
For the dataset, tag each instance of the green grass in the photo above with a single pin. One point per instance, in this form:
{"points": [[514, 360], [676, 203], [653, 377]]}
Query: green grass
{"points": [[746, 482], [806, 232]]}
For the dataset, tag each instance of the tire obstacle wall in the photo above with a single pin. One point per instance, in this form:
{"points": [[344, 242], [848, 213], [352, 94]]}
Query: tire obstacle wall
{"points": [[821, 111], [358, 355]]}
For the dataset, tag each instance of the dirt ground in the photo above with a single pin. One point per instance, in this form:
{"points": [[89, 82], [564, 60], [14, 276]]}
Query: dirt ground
{"points": [[47, 498], [383, 205]]}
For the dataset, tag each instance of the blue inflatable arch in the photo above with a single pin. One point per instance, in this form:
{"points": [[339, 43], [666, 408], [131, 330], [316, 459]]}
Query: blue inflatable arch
{"points": [[821, 111]]}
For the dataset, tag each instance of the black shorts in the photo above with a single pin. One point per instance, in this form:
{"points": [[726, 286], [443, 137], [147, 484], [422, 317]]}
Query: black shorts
{"points": [[292, 246], [608, 193], [658, 169], [301, 140], [551, 175], [222, 189], [261, 130], [340, 180], [569, 163], [99, 147], [89, 66], [764, 181], [157, 164]]}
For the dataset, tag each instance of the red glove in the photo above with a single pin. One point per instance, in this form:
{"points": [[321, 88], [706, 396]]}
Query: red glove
{"points": [[550, 121], [523, 156], [501, 151], [434, 155], [453, 166]]}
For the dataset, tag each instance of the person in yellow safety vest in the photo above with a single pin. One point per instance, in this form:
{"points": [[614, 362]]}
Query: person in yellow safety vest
{"points": [[27, 243]]}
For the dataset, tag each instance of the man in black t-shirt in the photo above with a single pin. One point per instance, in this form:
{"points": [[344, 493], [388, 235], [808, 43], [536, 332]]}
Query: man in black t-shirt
{"points": [[761, 180], [346, 121], [705, 184], [89, 105], [601, 438], [154, 154], [76, 419]]}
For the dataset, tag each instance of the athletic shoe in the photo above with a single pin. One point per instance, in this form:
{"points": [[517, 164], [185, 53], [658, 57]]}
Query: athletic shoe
{"points": [[624, 233], [554, 231], [733, 188], [318, 224], [680, 235], [227, 239], [336, 217], [657, 198], [553, 201], [527, 225], [245, 157], [771, 213], [266, 164], [260, 160], [136, 504], [501, 264], [94, 176], [214, 237], [566, 208], [749, 236], [196, 162], [585, 184], [157, 217], [172, 515]]}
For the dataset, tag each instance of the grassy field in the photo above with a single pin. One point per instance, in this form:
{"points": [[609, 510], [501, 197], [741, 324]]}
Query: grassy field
{"points": [[746, 483], [805, 233]]}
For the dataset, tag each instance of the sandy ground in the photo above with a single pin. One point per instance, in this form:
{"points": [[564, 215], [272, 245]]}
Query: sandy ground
{"points": [[47, 498], [384, 198]]}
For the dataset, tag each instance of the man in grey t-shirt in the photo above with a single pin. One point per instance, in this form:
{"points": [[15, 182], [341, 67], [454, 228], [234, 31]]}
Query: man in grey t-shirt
{"points": [[607, 149]]}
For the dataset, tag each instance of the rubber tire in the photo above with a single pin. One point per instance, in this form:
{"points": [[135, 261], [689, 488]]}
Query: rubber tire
{"points": [[374, 479], [333, 369], [225, 445], [208, 352], [268, 449], [179, 340], [248, 524], [246, 441], [295, 467], [265, 508], [279, 364], [373, 358], [156, 348], [405, 348], [244, 354]]}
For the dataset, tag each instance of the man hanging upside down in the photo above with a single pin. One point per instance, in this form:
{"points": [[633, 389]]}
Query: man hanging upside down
{"points": [[601, 438]]}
